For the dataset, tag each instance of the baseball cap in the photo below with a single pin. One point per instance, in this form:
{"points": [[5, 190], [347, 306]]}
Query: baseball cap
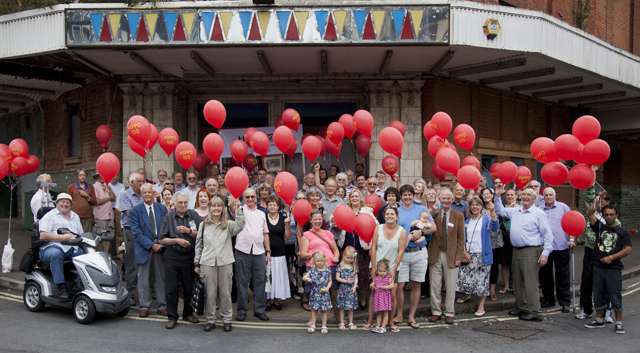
{"points": [[63, 196]]}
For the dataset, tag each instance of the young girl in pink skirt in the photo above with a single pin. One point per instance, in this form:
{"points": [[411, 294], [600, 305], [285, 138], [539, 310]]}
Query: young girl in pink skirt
{"points": [[382, 296]]}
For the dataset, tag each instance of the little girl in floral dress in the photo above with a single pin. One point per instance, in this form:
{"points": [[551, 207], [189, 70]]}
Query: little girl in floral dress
{"points": [[319, 275]]}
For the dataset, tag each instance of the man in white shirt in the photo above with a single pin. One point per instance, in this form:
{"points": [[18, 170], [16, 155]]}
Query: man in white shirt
{"points": [[162, 176], [41, 198], [192, 189]]}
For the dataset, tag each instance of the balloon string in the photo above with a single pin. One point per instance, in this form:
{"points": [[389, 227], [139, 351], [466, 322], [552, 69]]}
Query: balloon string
{"points": [[602, 187], [294, 165]]}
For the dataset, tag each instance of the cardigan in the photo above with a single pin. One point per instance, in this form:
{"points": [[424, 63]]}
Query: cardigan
{"points": [[487, 224]]}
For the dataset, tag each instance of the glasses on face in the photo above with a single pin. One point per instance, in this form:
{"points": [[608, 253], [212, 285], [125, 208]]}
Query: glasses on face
{"points": [[250, 197], [169, 184], [162, 175], [381, 177], [191, 178], [371, 184]]}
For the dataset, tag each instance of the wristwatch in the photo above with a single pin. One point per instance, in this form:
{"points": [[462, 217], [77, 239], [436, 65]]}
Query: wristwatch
{"points": [[268, 251]]}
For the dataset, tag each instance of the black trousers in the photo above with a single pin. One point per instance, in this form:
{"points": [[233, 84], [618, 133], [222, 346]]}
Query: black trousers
{"points": [[495, 266], [561, 261], [178, 269]]}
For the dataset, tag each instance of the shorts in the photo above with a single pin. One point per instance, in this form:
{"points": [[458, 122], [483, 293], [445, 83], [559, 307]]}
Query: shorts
{"points": [[414, 266], [102, 224]]}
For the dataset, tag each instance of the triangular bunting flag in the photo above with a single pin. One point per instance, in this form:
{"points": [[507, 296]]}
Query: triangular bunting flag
{"points": [[96, 21], [207, 20], [369, 33], [321, 18], [292, 32], [416, 18], [105, 35], [133, 23], [331, 30], [142, 32], [216, 34], [407, 31], [152, 19], [302, 16], [179, 36], [245, 18], [254, 34], [226, 21], [340, 16], [378, 18], [397, 15], [359, 17], [170, 20], [263, 17], [283, 18], [188, 22], [114, 19]]}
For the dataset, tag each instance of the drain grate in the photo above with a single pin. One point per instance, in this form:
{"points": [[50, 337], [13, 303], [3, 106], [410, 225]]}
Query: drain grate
{"points": [[501, 328]]}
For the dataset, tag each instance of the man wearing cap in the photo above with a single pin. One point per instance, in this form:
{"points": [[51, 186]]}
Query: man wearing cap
{"points": [[102, 211], [55, 253]]}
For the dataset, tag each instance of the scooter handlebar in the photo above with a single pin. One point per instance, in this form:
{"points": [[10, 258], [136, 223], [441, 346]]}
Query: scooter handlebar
{"points": [[72, 242]]}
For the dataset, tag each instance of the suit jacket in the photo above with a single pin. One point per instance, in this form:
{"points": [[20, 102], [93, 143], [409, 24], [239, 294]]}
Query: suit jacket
{"points": [[455, 243], [141, 229]]}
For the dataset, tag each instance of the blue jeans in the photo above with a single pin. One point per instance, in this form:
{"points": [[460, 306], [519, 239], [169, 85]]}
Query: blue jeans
{"points": [[56, 257], [607, 282]]}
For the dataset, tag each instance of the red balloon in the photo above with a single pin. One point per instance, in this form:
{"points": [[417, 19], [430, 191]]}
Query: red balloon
{"points": [[5, 148], [248, 133], [301, 211], [472, 161], [138, 128], [236, 181], [523, 177], [168, 140], [344, 217], [364, 227], [305, 136], [291, 119], [153, 137], [346, 120], [566, 146], [586, 128], [428, 131], [469, 177], [374, 202], [581, 176], [390, 165], [238, 150], [596, 152], [436, 144], [554, 173], [363, 144], [448, 160], [363, 121], [507, 172], [103, 133], [441, 124], [7, 156], [185, 154], [391, 141], [494, 170], [543, 151], [250, 162], [292, 148], [579, 157], [279, 121], [282, 138], [465, 136], [19, 166], [396, 124], [4, 168], [136, 147], [286, 186], [34, 164], [573, 223], [311, 148], [323, 146], [199, 162], [438, 172], [215, 113], [207, 160], [333, 148], [108, 166], [260, 143], [19, 148], [335, 132], [213, 146]]}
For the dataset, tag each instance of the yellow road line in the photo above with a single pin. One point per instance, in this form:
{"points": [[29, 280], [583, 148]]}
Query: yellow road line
{"points": [[631, 291]]}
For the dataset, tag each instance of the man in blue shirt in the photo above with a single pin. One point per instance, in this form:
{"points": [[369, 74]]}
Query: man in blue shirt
{"points": [[414, 264], [532, 240], [560, 257], [459, 203]]}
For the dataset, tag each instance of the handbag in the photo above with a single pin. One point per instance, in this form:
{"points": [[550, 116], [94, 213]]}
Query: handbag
{"points": [[199, 296], [28, 261]]}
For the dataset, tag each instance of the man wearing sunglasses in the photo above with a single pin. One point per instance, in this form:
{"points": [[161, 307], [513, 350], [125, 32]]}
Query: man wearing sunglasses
{"points": [[192, 189]]}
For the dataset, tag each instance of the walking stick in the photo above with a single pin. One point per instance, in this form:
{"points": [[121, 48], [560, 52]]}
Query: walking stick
{"points": [[573, 281]]}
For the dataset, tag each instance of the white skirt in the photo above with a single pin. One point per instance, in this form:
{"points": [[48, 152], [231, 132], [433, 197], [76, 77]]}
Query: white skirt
{"points": [[279, 279]]}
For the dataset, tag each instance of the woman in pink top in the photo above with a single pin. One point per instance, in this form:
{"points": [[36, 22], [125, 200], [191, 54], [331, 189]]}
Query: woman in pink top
{"points": [[319, 239]]}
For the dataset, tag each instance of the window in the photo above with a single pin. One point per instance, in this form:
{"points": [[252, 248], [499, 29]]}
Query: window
{"points": [[74, 130], [538, 175], [487, 162], [517, 161], [240, 115]]}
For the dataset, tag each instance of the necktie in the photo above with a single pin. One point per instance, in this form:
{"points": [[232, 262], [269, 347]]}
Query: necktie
{"points": [[443, 231], [152, 220]]}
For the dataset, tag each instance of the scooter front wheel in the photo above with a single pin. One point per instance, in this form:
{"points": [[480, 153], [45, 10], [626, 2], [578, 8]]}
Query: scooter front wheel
{"points": [[32, 297], [83, 309]]}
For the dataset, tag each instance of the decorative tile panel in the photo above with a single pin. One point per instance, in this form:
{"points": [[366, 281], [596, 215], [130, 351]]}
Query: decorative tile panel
{"points": [[245, 26]]}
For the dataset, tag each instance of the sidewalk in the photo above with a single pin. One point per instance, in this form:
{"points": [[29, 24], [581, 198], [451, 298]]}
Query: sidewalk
{"points": [[21, 240]]}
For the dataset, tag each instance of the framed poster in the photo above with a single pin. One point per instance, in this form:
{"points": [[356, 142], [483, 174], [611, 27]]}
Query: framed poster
{"points": [[273, 163]]}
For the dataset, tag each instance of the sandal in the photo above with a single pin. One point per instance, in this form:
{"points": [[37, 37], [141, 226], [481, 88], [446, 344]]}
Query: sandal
{"points": [[394, 328], [341, 326], [414, 325], [365, 327], [309, 324], [382, 330], [493, 296], [352, 327], [324, 330], [302, 304], [311, 329], [375, 330], [461, 300], [503, 291]]}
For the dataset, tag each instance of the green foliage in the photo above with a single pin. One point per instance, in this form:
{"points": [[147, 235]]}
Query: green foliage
{"points": [[583, 12]]}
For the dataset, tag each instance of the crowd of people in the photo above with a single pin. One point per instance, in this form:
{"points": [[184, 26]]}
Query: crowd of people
{"points": [[429, 241]]}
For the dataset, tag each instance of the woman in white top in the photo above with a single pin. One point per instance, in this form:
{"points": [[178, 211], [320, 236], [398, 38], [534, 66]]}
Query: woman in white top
{"points": [[389, 241], [473, 277]]}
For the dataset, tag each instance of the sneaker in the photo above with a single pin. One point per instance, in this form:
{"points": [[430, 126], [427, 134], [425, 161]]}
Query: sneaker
{"points": [[595, 324], [582, 315], [619, 329], [608, 320]]}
